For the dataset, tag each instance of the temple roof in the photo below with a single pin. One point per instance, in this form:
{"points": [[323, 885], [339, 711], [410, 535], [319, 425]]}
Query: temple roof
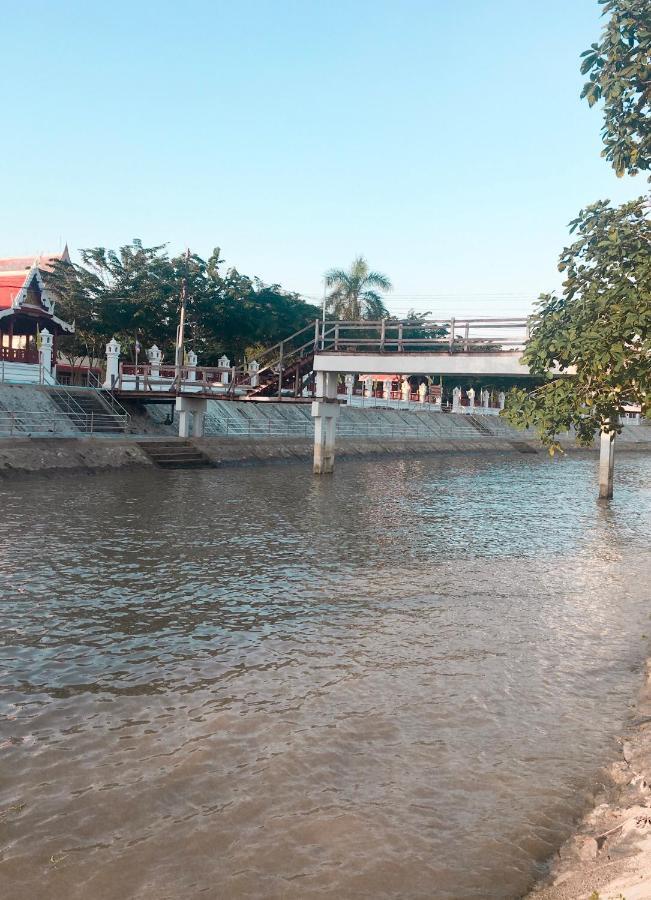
{"points": [[23, 264], [14, 271]]}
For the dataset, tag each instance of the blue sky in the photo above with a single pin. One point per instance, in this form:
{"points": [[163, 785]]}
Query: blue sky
{"points": [[445, 141]]}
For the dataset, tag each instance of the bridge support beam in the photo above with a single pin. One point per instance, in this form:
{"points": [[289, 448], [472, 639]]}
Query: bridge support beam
{"points": [[606, 465], [194, 407], [325, 410]]}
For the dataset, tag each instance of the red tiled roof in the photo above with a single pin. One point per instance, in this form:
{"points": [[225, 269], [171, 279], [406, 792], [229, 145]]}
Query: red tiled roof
{"points": [[44, 261], [10, 285]]}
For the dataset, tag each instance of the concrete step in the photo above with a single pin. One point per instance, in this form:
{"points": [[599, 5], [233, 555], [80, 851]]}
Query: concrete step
{"points": [[175, 455]]}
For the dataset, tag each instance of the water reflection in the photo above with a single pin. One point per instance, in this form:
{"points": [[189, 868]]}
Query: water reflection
{"points": [[397, 682]]}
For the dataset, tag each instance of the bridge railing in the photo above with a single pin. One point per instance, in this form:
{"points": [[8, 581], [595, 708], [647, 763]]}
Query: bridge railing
{"points": [[465, 335], [161, 379]]}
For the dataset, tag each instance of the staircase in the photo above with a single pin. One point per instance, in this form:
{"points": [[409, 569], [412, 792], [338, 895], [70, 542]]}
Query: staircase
{"points": [[479, 426], [175, 454], [88, 412]]}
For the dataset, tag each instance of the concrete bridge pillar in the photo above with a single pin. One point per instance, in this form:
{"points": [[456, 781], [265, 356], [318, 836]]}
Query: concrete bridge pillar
{"points": [[194, 407], [606, 465], [112, 364], [325, 410]]}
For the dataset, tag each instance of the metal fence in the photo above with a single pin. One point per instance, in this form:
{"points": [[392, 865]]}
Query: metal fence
{"points": [[23, 424]]}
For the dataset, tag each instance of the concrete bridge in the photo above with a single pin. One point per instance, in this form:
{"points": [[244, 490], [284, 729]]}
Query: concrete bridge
{"points": [[449, 347]]}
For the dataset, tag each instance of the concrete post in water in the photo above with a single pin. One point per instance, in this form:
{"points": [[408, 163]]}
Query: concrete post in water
{"points": [[606, 464], [192, 365], [45, 350], [112, 363], [501, 399], [350, 384], [154, 356], [456, 399], [224, 363], [254, 368], [325, 411]]}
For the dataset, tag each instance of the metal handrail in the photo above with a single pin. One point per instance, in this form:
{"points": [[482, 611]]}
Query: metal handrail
{"points": [[105, 396], [22, 422]]}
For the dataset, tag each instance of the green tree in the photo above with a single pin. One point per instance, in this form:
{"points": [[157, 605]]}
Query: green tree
{"points": [[594, 339], [619, 69], [133, 293], [355, 293]]}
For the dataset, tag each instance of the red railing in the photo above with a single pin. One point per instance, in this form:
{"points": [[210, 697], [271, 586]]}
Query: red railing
{"points": [[19, 355]]}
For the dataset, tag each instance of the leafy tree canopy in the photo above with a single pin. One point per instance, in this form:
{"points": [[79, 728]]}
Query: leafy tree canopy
{"points": [[356, 293], [596, 336], [619, 69], [133, 293]]}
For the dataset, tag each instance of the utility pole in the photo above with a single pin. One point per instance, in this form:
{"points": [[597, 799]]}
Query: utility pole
{"points": [[180, 331], [323, 314]]}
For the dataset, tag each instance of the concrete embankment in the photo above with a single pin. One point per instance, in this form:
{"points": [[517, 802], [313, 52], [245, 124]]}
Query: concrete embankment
{"points": [[609, 854], [92, 454]]}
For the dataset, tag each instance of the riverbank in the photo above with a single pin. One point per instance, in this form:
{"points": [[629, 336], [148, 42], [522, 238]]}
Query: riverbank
{"points": [[23, 456], [609, 855]]}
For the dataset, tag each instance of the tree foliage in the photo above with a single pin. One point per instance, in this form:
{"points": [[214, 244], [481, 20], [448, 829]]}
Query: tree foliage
{"points": [[133, 293], [596, 336], [356, 293], [619, 69]]}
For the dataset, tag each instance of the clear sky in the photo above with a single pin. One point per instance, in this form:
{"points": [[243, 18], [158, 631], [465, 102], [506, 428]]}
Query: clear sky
{"points": [[444, 140]]}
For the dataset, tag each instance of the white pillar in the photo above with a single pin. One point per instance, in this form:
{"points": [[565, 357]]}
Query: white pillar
{"points": [[45, 350], [606, 465], [422, 391], [112, 363], [154, 357], [192, 365], [471, 397], [501, 399], [350, 384], [224, 363], [485, 398], [325, 411], [368, 387], [254, 368], [184, 423], [456, 399], [405, 387], [386, 390], [196, 407]]}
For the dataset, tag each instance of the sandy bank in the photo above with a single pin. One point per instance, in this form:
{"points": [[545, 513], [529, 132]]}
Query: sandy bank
{"points": [[609, 855]]}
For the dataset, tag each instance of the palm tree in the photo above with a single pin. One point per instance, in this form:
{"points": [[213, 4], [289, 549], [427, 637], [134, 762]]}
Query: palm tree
{"points": [[353, 295]]}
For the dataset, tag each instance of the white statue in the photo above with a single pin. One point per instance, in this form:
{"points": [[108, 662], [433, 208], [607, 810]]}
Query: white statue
{"points": [[406, 390]]}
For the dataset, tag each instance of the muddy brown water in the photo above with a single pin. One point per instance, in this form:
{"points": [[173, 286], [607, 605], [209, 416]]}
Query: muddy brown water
{"points": [[399, 682]]}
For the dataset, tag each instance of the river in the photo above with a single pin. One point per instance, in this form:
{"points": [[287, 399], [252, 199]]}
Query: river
{"points": [[398, 682]]}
